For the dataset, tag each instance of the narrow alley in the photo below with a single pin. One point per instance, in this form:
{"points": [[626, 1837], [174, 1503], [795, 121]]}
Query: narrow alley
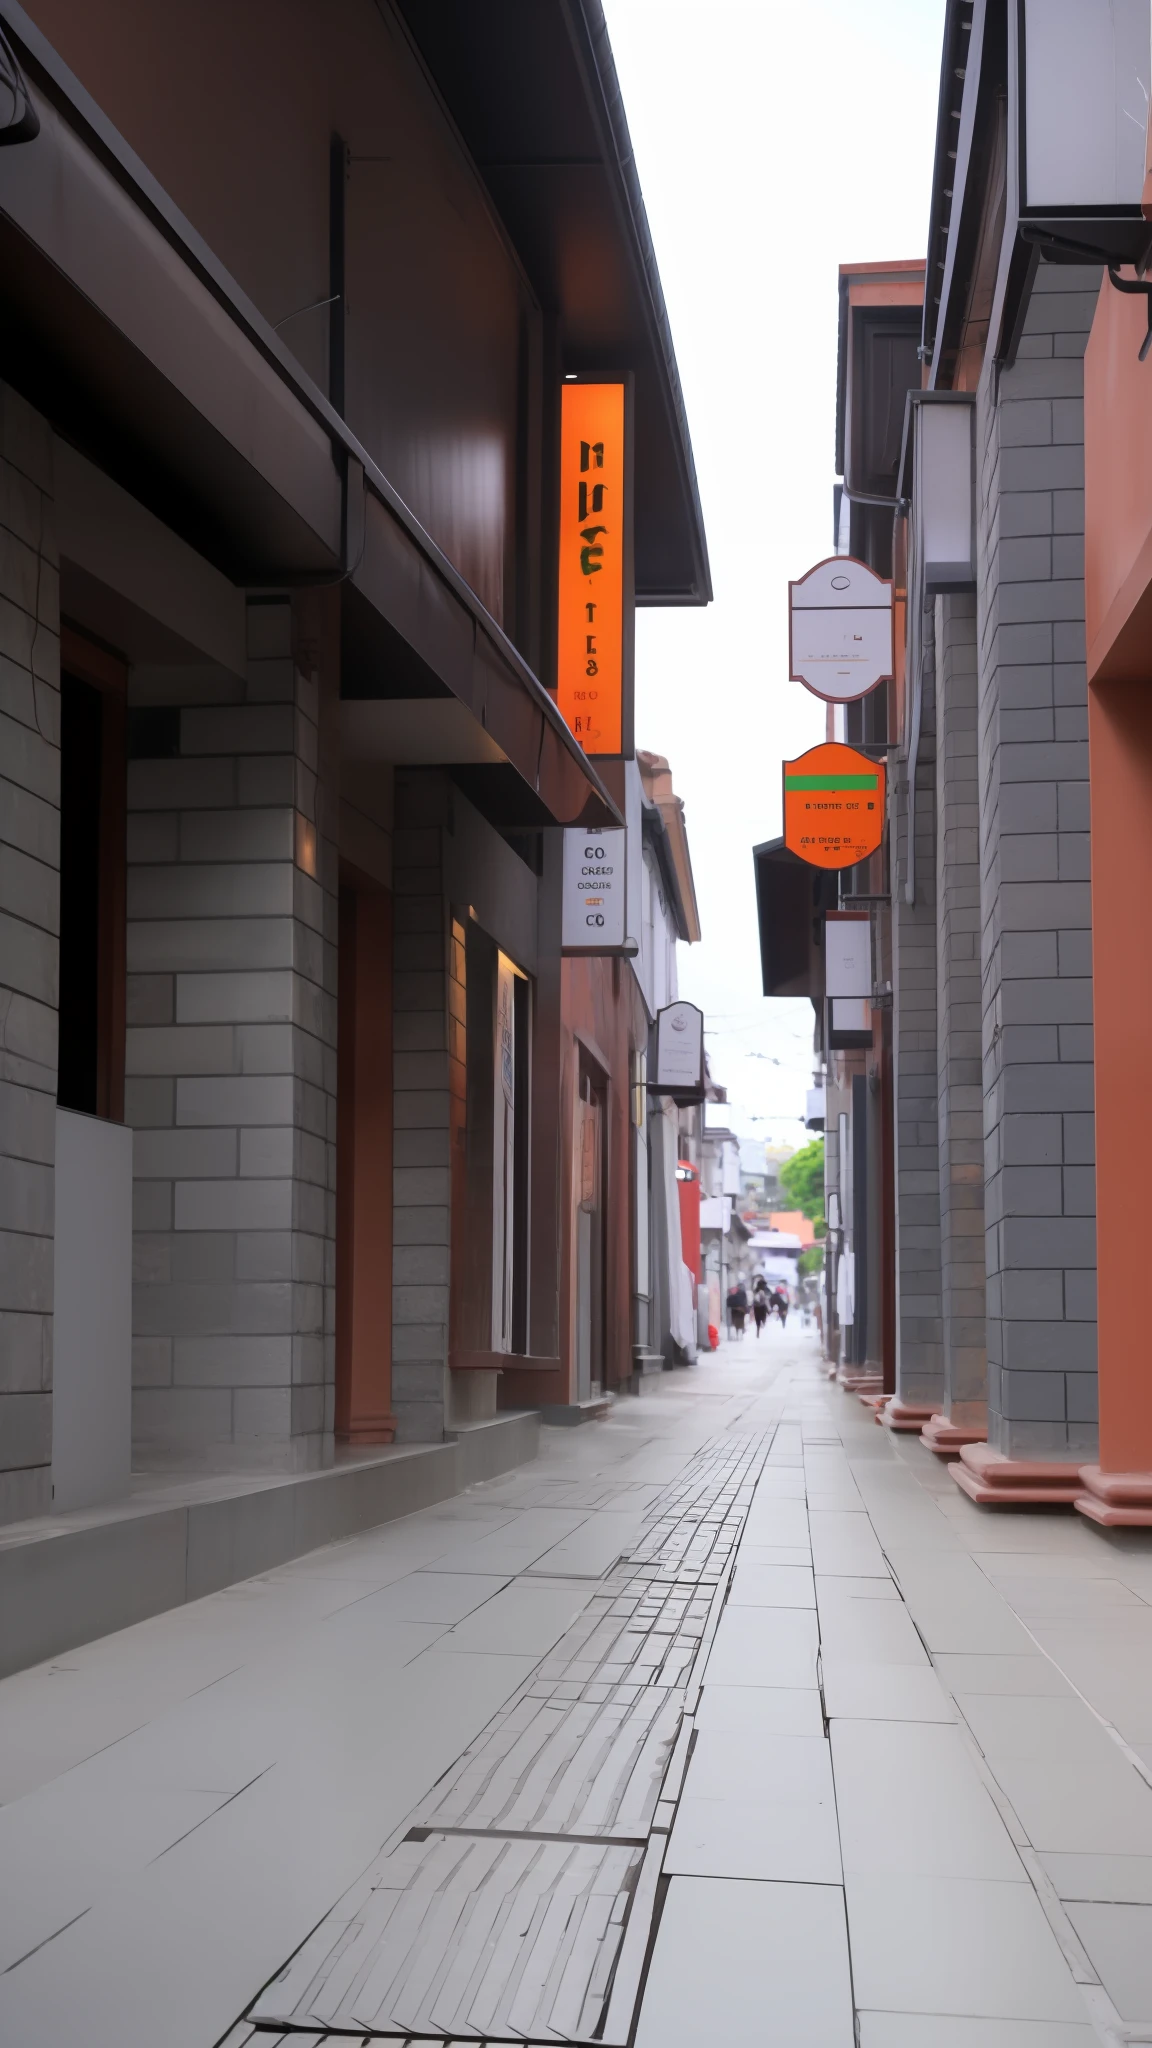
{"points": [[728, 1719], [575, 785]]}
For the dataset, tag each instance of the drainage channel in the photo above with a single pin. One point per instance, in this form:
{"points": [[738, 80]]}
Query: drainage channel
{"points": [[518, 1901]]}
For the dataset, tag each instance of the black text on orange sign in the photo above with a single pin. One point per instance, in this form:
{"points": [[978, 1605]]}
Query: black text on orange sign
{"points": [[590, 644]]}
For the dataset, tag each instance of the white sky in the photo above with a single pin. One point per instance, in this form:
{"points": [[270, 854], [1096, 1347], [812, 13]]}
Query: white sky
{"points": [[775, 139]]}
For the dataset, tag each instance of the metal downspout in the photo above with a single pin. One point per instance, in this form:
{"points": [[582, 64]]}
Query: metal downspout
{"points": [[916, 668]]}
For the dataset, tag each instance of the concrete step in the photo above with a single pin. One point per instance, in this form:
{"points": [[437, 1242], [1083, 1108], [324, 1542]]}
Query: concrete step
{"points": [[66, 1579], [566, 1414]]}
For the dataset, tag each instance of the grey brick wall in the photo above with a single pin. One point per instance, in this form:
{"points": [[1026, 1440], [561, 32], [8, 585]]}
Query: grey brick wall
{"points": [[428, 1065], [29, 944], [231, 1067], [919, 1356], [961, 1105], [1036, 941]]}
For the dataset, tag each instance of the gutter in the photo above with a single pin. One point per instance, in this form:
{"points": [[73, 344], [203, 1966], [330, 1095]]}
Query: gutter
{"points": [[52, 76], [656, 833], [963, 52]]}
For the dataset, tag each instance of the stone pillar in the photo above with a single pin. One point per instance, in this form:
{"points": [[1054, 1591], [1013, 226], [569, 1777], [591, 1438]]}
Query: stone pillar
{"points": [[231, 1057], [1036, 938], [963, 1418], [1118, 1490], [428, 1101], [29, 947], [919, 1363]]}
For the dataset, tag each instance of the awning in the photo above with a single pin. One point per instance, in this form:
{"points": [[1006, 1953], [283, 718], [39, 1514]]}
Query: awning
{"points": [[429, 679], [791, 899]]}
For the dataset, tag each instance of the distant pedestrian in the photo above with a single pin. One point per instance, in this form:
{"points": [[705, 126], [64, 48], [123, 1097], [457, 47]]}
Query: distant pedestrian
{"points": [[737, 1308], [780, 1303], [759, 1302]]}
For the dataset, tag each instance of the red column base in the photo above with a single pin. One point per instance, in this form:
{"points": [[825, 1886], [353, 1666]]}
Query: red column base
{"points": [[1117, 1500], [855, 1380], [995, 1481], [374, 1429], [905, 1415], [946, 1439]]}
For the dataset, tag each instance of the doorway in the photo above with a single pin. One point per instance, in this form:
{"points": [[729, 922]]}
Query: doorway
{"points": [[491, 1206], [591, 1207], [364, 1166], [510, 1096], [93, 827]]}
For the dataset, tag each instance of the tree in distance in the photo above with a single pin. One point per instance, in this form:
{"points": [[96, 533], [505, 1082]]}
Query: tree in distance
{"points": [[802, 1179]]}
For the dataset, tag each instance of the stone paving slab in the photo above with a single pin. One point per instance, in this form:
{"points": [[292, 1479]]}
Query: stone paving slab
{"points": [[505, 1907], [607, 1841]]}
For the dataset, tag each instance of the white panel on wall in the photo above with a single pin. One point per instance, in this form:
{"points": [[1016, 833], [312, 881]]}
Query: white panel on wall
{"points": [[92, 1307], [848, 955]]}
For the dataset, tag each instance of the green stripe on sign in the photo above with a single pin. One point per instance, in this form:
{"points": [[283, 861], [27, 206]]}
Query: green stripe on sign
{"points": [[830, 781]]}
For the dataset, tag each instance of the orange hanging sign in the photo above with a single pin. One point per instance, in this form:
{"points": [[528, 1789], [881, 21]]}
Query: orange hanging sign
{"points": [[590, 649], [833, 806]]}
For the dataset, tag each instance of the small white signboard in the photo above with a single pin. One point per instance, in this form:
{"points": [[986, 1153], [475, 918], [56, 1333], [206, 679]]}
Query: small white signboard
{"points": [[847, 954], [840, 630], [594, 900], [679, 1063]]}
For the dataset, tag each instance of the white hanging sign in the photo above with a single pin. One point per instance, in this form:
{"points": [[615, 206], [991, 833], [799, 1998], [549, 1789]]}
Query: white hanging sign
{"points": [[848, 954], [840, 630], [679, 1062], [594, 896]]}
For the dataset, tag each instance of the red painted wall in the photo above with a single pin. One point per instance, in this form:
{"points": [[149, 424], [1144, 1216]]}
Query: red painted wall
{"points": [[689, 1192]]}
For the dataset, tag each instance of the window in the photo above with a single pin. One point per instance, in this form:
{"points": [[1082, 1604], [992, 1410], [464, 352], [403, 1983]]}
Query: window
{"points": [[92, 880]]}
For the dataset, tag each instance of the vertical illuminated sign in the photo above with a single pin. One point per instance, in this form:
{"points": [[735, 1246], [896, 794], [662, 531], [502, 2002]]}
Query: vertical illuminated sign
{"points": [[590, 649]]}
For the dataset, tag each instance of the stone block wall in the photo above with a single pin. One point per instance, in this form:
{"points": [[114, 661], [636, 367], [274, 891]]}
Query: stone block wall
{"points": [[961, 1105], [1036, 937], [231, 1065], [29, 950], [919, 1356]]}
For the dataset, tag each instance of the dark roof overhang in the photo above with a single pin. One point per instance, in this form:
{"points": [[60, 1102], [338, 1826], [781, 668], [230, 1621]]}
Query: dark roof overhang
{"points": [[970, 292], [961, 57], [973, 85], [532, 87], [124, 329]]}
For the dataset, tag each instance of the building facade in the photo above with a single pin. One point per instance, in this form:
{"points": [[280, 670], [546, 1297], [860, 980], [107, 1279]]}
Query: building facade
{"points": [[296, 1081], [1013, 518]]}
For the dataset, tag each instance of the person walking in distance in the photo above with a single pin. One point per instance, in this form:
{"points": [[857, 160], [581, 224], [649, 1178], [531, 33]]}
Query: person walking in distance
{"points": [[759, 1302], [737, 1308]]}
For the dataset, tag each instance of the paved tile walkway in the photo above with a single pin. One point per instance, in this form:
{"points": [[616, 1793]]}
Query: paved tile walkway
{"points": [[730, 1720]]}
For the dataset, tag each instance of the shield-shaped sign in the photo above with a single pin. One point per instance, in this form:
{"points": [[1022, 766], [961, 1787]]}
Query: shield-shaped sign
{"points": [[840, 630], [833, 806]]}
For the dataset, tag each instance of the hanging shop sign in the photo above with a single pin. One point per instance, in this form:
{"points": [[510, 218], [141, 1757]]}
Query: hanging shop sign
{"points": [[840, 630], [676, 1067], [848, 954], [833, 806], [1078, 124], [590, 654], [594, 904]]}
